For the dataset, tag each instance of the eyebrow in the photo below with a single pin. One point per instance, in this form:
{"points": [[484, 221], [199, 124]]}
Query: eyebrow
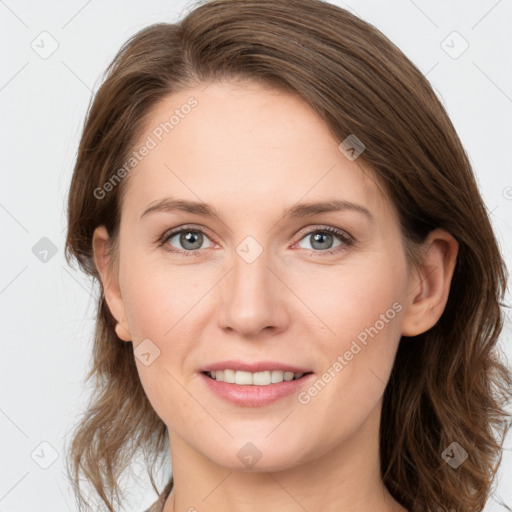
{"points": [[169, 204]]}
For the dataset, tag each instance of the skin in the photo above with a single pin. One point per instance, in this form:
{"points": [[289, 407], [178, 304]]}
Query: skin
{"points": [[252, 151]]}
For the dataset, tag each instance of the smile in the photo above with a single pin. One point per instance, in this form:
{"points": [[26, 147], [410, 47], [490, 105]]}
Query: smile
{"points": [[263, 378], [254, 389]]}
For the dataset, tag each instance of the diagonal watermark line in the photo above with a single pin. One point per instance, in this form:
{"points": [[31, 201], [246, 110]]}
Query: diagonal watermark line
{"points": [[74, 425], [376, 376], [76, 75], [10, 490], [14, 76], [78, 282], [5, 5], [492, 81], [198, 402], [280, 423], [207, 85], [493, 210], [431, 68], [14, 424], [13, 217], [287, 492], [75, 15], [301, 300], [483, 17], [165, 165], [68, 431], [198, 301], [13, 279], [424, 14], [220, 483], [304, 195]]}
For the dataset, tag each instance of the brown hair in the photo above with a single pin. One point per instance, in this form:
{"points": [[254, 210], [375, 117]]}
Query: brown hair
{"points": [[448, 383]]}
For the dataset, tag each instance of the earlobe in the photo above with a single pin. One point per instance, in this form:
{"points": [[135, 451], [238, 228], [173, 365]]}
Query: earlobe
{"points": [[429, 290], [110, 281], [122, 332]]}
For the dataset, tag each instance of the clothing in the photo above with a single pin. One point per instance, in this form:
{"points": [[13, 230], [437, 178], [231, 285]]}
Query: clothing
{"points": [[158, 506]]}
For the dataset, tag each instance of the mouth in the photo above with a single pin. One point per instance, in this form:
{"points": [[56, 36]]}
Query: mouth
{"points": [[261, 378], [254, 384]]}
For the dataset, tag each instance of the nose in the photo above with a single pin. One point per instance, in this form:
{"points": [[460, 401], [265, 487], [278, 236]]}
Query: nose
{"points": [[252, 297]]}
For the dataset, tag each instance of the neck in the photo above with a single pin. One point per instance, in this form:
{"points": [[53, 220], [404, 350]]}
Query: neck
{"points": [[344, 478]]}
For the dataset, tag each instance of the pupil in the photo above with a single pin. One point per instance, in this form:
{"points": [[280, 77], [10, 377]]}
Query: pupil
{"points": [[189, 238], [320, 236]]}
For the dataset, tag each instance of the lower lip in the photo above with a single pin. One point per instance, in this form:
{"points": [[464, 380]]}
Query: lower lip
{"points": [[255, 396]]}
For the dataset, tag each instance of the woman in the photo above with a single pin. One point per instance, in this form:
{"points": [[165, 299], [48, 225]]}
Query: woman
{"points": [[300, 285]]}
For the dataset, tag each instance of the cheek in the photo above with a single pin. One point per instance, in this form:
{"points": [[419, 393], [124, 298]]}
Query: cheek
{"points": [[163, 304], [349, 300], [360, 314], [159, 299], [160, 308]]}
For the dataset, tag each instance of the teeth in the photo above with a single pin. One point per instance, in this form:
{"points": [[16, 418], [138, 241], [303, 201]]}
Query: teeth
{"points": [[253, 379]]}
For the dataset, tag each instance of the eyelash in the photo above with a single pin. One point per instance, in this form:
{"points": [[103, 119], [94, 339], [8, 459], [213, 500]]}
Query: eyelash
{"points": [[345, 239]]}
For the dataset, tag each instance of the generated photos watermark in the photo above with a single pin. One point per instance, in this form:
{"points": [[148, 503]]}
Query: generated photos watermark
{"points": [[305, 397], [152, 141]]}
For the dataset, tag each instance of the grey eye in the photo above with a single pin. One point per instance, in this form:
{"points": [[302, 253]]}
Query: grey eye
{"points": [[189, 240], [321, 240]]}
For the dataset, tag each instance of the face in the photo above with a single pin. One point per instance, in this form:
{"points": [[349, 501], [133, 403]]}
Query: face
{"points": [[317, 290]]}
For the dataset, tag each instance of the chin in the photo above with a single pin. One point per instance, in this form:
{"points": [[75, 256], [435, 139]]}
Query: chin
{"points": [[255, 457]]}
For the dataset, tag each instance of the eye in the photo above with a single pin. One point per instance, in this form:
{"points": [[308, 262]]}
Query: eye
{"points": [[189, 241], [322, 240]]}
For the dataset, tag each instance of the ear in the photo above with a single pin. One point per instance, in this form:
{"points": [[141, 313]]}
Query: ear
{"points": [[110, 281], [430, 286]]}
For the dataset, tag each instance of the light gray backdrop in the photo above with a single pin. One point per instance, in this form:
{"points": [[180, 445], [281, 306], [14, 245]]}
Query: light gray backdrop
{"points": [[52, 56]]}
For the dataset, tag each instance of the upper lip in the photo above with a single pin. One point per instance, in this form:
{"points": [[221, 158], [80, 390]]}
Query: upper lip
{"points": [[258, 366]]}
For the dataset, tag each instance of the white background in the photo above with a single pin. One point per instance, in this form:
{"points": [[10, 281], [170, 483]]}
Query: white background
{"points": [[47, 309]]}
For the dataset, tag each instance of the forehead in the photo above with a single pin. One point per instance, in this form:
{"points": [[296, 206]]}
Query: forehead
{"points": [[242, 146]]}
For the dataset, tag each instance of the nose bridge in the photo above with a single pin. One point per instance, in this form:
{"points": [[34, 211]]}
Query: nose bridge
{"points": [[251, 299], [250, 273]]}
